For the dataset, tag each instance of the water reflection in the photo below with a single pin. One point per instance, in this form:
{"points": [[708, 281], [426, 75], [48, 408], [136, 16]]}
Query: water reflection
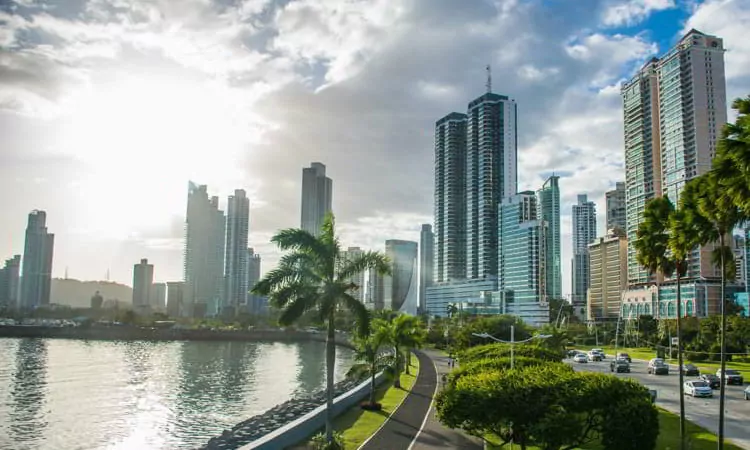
{"points": [[312, 367], [27, 420]]}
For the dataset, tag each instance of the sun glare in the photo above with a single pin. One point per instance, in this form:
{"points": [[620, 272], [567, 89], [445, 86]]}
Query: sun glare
{"points": [[142, 140]]}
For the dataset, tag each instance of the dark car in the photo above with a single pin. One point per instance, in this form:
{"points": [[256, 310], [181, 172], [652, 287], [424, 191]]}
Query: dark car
{"points": [[619, 365], [732, 376], [712, 380], [657, 366], [572, 353], [624, 356], [690, 370]]}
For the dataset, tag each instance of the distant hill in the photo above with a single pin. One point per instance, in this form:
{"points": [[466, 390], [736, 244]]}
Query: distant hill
{"points": [[78, 293]]}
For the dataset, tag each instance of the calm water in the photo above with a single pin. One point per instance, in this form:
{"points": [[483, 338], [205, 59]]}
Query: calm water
{"points": [[68, 394]]}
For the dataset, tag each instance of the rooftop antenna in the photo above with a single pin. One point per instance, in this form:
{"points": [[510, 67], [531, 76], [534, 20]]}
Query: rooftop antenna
{"points": [[489, 79]]}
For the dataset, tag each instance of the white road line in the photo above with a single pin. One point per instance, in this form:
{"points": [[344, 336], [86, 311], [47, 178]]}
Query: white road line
{"points": [[429, 410]]}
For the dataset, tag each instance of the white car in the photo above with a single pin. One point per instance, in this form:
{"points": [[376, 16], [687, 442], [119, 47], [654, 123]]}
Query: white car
{"points": [[698, 389], [581, 358]]}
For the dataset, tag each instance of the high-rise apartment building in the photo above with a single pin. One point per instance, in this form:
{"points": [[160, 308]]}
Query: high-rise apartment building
{"points": [[204, 252], [491, 176], [235, 262], [400, 287], [143, 279], [608, 277], [426, 255], [358, 279], [615, 200], [317, 194], [175, 297], [584, 233], [158, 300], [548, 214], [37, 262], [740, 260], [450, 198], [257, 304], [374, 292], [10, 282], [520, 279]]}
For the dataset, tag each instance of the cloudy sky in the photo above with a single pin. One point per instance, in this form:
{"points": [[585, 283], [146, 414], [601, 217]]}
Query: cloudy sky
{"points": [[109, 107]]}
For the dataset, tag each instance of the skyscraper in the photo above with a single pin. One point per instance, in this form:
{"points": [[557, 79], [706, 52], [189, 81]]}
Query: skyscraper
{"points": [[450, 198], [607, 276], [158, 300], [426, 255], [584, 233], [10, 282], [374, 291], [204, 252], [358, 279], [616, 207], [37, 262], [548, 214], [491, 176], [400, 288], [143, 279], [317, 193], [175, 297], [256, 303], [520, 278], [235, 264]]}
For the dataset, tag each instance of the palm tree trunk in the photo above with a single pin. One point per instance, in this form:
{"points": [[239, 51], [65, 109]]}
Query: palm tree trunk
{"points": [[372, 385], [722, 391], [330, 364], [397, 381], [679, 358], [407, 360]]}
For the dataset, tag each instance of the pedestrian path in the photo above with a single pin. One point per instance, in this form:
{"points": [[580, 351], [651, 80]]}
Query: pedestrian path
{"points": [[405, 423], [435, 435]]}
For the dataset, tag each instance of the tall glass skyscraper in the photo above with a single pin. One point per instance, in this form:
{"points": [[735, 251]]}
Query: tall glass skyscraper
{"points": [[520, 279], [426, 254], [37, 262], [491, 176], [204, 252], [450, 198], [400, 288], [584, 233], [548, 214], [317, 196], [236, 256], [615, 200]]}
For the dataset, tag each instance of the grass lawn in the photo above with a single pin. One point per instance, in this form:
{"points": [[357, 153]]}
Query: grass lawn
{"points": [[698, 438], [357, 424], [704, 366]]}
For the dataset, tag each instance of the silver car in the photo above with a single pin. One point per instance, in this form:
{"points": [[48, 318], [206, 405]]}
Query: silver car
{"points": [[698, 389]]}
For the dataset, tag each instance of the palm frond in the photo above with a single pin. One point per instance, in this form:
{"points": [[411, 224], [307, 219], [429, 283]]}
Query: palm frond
{"points": [[297, 239], [361, 314], [365, 261], [282, 295], [295, 309], [275, 278]]}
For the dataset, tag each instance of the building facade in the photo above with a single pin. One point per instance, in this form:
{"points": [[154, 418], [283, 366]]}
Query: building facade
{"points": [[204, 252], [491, 176], [257, 304], [175, 297], [10, 282], [548, 214], [143, 279], [158, 299], [426, 269], [608, 275], [584, 233], [450, 198], [616, 209], [358, 279], [235, 262], [37, 262], [519, 276], [457, 292], [374, 291], [400, 287], [317, 195]]}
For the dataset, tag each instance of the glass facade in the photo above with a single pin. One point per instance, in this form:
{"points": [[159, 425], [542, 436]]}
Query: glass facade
{"points": [[400, 288], [519, 275], [441, 295], [548, 214]]}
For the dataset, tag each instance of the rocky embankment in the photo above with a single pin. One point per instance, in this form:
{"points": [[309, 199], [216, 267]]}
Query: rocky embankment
{"points": [[273, 419]]}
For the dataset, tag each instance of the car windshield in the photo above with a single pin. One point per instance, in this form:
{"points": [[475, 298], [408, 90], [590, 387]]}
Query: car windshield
{"points": [[699, 384]]}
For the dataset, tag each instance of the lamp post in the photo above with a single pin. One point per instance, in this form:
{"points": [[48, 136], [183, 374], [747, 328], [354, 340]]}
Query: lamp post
{"points": [[512, 341]]}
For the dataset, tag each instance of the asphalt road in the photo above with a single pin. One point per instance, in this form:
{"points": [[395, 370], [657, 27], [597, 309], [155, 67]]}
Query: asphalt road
{"points": [[702, 411]]}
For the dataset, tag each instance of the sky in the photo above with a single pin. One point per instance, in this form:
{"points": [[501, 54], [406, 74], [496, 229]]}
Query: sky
{"points": [[109, 107]]}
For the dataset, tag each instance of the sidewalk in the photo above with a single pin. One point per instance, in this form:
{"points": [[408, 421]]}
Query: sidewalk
{"points": [[404, 425], [435, 435]]}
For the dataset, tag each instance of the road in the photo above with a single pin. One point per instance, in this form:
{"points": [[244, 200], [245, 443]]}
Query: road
{"points": [[702, 411]]}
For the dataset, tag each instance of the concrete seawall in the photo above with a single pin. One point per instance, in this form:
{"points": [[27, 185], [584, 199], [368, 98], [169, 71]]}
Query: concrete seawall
{"points": [[128, 333]]}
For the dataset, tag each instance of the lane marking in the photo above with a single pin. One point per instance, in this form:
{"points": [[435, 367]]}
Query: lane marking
{"points": [[432, 403]]}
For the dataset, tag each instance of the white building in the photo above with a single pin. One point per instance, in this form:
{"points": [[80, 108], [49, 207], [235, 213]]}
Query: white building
{"points": [[400, 288]]}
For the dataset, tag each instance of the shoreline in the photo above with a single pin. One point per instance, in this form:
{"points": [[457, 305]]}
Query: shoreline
{"points": [[131, 333]]}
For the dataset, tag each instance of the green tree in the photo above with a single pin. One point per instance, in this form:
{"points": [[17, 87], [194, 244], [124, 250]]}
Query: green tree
{"points": [[314, 275], [732, 162], [403, 333], [663, 244], [368, 350]]}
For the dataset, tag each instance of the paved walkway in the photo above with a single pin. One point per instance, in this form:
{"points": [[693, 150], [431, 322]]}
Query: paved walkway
{"points": [[401, 428], [435, 435]]}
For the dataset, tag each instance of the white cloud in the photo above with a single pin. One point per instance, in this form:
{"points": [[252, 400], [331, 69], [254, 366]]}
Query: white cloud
{"points": [[632, 12], [609, 56]]}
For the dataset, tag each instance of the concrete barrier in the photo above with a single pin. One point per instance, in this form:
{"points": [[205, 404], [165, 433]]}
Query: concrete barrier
{"points": [[300, 429]]}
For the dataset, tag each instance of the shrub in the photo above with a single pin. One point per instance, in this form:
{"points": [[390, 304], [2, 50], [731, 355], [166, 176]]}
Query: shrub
{"points": [[696, 356], [367, 406], [319, 442]]}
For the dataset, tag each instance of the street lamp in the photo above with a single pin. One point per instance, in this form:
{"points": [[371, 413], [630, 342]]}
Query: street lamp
{"points": [[512, 341]]}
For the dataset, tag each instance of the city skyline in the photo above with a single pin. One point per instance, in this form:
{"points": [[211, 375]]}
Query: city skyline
{"points": [[105, 221]]}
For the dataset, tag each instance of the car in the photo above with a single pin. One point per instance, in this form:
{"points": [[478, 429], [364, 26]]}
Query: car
{"points": [[747, 393], [731, 377], [698, 389], [600, 351], [572, 353], [657, 366], [595, 356], [624, 356], [713, 381], [581, 358], [619, 365], [690, 370]]}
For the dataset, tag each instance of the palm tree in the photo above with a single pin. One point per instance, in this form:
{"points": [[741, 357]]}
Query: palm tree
{"points": [[402, 333], [314, 275], [732, 162], [368, 350], [714, 215], [663, 244]]}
